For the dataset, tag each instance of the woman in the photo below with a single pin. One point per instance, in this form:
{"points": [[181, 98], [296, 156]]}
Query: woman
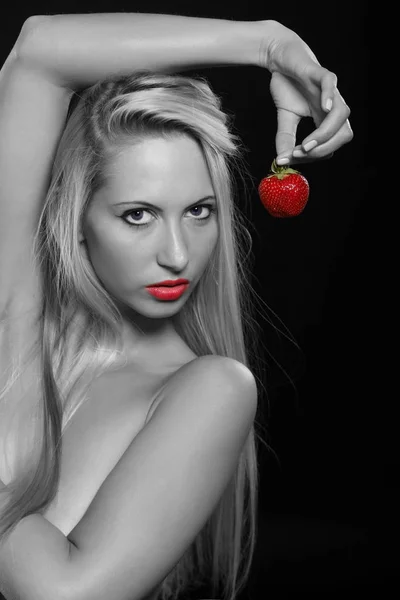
{"points": [[128, 461]]}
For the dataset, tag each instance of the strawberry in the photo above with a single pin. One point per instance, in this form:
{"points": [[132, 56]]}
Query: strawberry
{"points": [[284, 193]]}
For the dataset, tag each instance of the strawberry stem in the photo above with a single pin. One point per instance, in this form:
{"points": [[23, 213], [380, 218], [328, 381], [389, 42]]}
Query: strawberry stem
{"points": [[276, 169], [281, 171]]}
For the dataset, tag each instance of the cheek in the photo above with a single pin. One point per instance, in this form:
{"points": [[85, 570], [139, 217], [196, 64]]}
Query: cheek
{"points": [[113, 260], [209, 246], [213, 240]]}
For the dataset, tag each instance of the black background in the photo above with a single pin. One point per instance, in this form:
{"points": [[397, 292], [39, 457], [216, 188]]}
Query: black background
{"points": [[328, 506]]}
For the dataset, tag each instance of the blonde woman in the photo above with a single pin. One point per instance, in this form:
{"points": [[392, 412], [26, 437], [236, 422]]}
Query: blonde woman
{"points": [[128, 462]]}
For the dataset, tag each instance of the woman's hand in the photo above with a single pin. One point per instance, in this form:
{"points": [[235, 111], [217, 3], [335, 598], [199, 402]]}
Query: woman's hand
{"points": [[300, 87]]}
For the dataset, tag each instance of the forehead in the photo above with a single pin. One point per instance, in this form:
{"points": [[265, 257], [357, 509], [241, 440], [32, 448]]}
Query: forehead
{"points": [[155, 165]]}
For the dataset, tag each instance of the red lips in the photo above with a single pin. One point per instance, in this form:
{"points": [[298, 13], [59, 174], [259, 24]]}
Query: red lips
{"points": [[169, 283], [166, 292]]}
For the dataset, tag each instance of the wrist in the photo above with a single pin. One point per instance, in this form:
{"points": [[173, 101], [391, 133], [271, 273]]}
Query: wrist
{"points": [[246, 40], [253, 42], [271, 35]]}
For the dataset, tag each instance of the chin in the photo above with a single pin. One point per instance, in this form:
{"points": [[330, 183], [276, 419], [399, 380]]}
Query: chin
{"points": [[160, 310]]}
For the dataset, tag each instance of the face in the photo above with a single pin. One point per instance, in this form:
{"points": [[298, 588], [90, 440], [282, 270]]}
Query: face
{"points": [[132, 245]]}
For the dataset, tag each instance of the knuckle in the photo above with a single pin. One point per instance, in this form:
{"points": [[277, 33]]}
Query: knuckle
{"points": [[333, 78], [348, 134]]}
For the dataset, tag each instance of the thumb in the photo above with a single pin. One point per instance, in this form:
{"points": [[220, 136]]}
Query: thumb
{"points": [[285, 139]]}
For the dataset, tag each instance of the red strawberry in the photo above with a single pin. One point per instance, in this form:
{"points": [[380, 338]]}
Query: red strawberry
{"points": [[285, 192]]}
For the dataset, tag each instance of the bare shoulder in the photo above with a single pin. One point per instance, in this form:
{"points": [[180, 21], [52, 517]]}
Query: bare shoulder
{"points": [[214, 380], [216, 369]]}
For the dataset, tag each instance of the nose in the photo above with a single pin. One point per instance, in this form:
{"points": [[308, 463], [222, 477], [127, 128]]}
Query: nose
{"points": [[173, 253]]}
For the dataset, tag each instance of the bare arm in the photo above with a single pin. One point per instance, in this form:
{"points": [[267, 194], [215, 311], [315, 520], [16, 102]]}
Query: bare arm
{"points": [[56, 55], [153, 503], [78, 50], [52, 57]]}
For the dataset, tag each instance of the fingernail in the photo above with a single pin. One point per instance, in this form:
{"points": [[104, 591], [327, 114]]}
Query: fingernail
{"points": [[298, 153], [282, 161], [310, 145], [328, 104]]}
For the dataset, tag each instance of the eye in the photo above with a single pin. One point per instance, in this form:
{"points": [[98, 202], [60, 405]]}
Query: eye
{"points": [[210, 208], [198, 208], [134, 213]]}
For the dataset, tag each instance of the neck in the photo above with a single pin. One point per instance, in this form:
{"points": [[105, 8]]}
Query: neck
{"points": [[143, 334]]}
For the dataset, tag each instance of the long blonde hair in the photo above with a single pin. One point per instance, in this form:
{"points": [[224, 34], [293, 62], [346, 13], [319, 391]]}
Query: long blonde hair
{"points": [[80, 324]]}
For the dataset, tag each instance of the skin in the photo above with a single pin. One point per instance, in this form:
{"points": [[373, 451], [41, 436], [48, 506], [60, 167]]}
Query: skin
{"points": [[171, 174]]}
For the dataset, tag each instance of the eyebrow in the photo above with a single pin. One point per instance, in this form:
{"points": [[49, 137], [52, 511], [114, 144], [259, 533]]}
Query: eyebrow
{"points": [[144, 203]]}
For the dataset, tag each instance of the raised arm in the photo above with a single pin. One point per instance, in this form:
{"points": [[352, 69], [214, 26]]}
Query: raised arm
{"points": [[55, 55], [78, 50], [154, 502]]}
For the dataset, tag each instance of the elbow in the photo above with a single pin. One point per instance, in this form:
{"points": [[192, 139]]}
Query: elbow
{"points": [[32, 36]]}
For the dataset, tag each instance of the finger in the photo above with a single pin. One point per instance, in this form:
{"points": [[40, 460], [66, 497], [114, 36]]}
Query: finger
{"points": [[327, 82], [343, 136], [330, 125], [285, 139], [309, 159], [328, 90]]}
